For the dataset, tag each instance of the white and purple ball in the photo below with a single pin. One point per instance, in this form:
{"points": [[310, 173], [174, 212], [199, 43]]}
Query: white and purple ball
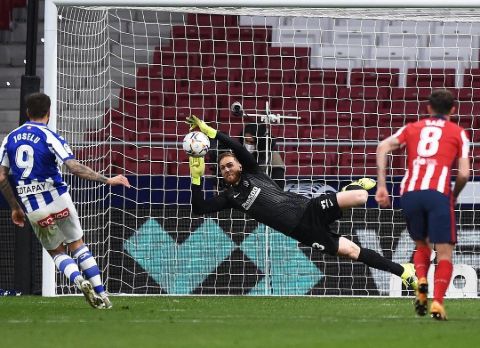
{"points": [[196, 144]]}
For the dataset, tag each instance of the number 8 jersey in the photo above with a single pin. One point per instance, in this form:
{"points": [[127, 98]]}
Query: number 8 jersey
{"points": [[34, 154], [432, 146]]}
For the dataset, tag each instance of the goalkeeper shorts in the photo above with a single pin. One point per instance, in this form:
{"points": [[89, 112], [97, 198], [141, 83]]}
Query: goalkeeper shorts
{"points": [[313, 229], [56, 223]]}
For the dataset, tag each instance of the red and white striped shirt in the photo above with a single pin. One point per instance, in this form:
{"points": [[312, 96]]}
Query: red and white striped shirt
{"points": [[432, 144]]}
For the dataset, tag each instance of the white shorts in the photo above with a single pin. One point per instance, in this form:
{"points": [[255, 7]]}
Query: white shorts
{"points": [[56, 223]]}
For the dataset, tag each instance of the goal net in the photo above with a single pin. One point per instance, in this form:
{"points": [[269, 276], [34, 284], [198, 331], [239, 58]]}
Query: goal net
{"points": [[126, 79]]}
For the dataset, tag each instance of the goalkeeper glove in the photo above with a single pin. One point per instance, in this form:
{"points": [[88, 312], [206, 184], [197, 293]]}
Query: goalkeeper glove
{"points": [[194, 121], [197, 169]]}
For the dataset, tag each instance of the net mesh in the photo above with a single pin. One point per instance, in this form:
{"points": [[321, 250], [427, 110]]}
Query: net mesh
{"points": [[128, 77]]}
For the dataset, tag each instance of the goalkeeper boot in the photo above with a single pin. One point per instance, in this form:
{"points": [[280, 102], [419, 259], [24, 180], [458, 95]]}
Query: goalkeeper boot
{"points": [[437, 311], [363, 183], [421, 299], [408, 276], [92, 298]]}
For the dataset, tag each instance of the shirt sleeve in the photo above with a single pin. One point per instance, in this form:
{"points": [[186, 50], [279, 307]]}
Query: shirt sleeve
{"points": [[464, 145], [202, 206], [401, 135], [4, 161], [244, 157], [59, 146]]}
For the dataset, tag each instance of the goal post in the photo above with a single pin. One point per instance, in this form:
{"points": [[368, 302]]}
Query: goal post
{"points": [[123, 76]]}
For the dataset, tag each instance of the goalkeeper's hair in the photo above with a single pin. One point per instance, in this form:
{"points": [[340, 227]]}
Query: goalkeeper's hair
{"points": [[226, 154], [38, 105], [442, 101]]}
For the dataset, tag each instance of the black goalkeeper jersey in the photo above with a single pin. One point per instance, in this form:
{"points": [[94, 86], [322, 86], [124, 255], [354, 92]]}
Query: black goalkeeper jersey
{"points": [[256, 194]]}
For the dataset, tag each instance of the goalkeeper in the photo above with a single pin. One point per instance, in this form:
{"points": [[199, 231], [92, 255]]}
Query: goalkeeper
{"points": [[253, 192]]}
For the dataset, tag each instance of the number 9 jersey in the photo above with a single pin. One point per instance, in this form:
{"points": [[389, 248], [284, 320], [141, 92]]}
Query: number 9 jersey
{"points": [[34, 154], [432, 145]]}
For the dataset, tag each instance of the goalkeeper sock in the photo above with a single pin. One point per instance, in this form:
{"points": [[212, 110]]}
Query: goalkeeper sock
{"points": [[421, 259], [375, 260], [443, 274], [90, 268], [68, 267]]}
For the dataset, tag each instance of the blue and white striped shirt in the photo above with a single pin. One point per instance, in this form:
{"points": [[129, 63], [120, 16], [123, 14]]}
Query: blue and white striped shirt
{"points": [[34, 155]]}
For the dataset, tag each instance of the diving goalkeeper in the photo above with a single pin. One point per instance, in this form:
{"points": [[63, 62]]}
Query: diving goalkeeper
{"points": [[253, 192]]}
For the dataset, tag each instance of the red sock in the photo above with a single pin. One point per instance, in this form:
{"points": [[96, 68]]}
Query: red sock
{"points": [[443, 274], [421, 259]]}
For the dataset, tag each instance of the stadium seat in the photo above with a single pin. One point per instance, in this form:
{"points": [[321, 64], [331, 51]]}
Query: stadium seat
{"points": [[468, 108], [468, 94], [408, 107], [256, 89], [374, 133], [342, 119], [424, 77], [471, 78], [374, 77], [357, 161], [211, 20], [252, 34], [412, 93], [175, 58], [326, 77], [332, 132], [309, 161], [281, 75]]}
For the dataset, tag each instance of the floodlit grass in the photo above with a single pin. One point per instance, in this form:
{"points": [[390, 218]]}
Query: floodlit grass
{"points": [[233, 322]]}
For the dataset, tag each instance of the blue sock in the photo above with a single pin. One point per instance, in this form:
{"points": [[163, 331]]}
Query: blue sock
{"points": [[67, 266], [89, 267]]}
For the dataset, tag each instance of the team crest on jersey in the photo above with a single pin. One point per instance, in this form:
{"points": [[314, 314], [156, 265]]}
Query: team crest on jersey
{"points": [[246, 183]]}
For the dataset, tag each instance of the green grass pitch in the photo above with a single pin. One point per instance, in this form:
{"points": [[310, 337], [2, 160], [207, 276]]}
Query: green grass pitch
{"points": [[141, 322]]}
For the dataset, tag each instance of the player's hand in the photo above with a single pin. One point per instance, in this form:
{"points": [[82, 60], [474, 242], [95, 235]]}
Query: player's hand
{"points": [[197, 169], [194, 121], [18, 217], [382, 197], [118, 180]]}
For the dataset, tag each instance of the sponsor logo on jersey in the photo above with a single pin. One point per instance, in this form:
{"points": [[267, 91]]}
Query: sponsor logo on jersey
{"points": [[318, 246], [50, 219], [25, 190], [251, 197]]}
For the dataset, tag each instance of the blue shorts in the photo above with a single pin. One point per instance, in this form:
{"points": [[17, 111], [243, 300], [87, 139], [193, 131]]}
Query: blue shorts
{"points": [[429, 214]]}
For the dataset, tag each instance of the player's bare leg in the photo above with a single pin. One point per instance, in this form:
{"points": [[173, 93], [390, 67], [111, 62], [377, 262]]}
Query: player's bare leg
{"points": [[355, 193], [350, 199], [443, 275]]}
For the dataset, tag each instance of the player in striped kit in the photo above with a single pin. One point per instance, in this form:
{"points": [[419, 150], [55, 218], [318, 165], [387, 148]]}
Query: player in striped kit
{"points": [[33, 154], [432, 145]]}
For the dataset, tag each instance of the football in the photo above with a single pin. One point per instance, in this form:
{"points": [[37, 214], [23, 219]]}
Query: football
{"points": [[196, 144]]}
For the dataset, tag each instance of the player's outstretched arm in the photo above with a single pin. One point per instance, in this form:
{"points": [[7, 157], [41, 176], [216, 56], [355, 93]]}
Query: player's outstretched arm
{"points": [[244, 157], [18, 216], [84, 172], [199, 204], [384, 148]]}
